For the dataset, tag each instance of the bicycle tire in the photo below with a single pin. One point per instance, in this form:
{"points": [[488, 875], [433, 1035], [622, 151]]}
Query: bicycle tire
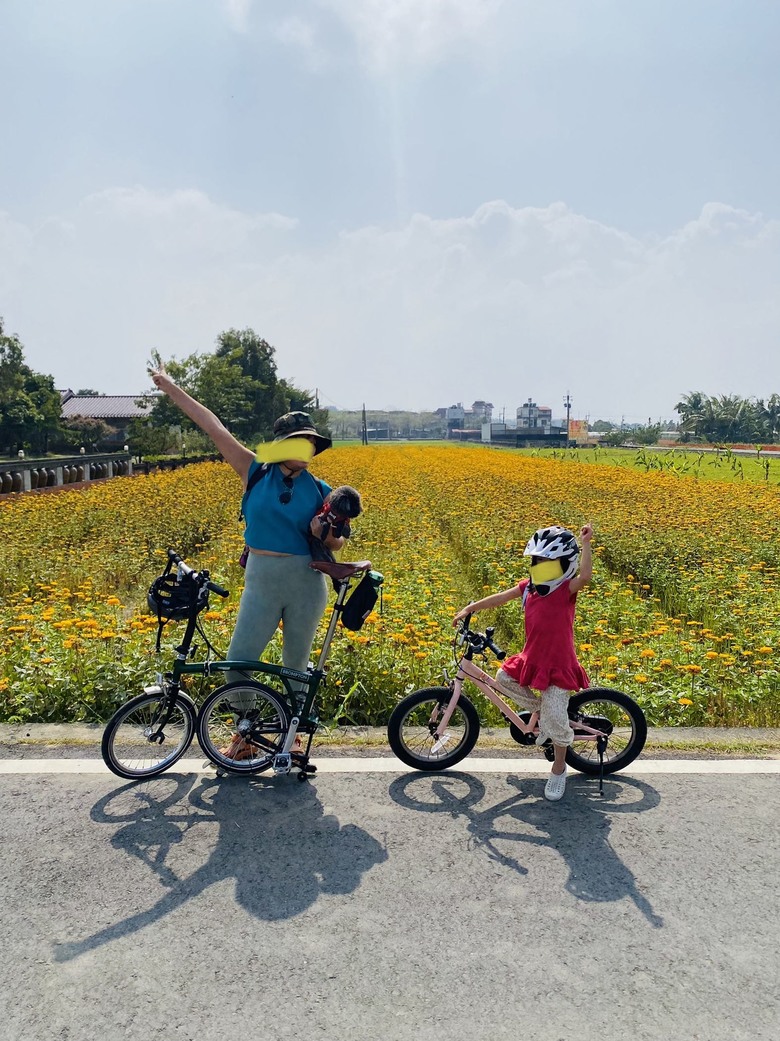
{"points": [[626, 739], [413, 720], [265, 725], [126, 748]]}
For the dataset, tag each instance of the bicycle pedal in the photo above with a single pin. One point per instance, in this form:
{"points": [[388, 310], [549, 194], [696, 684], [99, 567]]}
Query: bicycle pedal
{"points": [[282, 763]]}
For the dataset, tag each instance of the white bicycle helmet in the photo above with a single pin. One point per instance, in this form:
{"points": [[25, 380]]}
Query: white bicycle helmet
{"points": [[553, 543]]}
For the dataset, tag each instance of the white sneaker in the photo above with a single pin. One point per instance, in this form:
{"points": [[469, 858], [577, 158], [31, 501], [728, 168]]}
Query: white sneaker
{"points": [[556, 786]]}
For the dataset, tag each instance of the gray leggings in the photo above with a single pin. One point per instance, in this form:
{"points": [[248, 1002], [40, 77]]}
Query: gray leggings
{"points": [[277, 589]]}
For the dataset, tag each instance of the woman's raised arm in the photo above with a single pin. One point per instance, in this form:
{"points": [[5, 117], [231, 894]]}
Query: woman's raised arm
{"points": [[237, 455]]}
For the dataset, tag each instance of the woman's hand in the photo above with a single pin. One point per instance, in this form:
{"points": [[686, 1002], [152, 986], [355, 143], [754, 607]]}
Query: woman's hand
{"points": [[468, 609], [160, 378], [586, 532]]}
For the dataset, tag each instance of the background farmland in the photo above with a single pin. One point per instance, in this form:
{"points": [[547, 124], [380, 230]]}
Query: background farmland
{"points": [[682, 612]]}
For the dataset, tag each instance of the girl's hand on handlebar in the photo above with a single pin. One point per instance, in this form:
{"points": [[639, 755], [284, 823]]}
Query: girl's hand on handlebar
{"points": [[463, 613]]}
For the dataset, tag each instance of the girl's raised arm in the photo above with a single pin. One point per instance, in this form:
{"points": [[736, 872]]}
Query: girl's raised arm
{"points": [[585, 574]]}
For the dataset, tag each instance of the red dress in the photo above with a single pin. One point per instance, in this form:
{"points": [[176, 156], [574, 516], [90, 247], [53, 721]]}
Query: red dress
{"points": [[548, 658]]}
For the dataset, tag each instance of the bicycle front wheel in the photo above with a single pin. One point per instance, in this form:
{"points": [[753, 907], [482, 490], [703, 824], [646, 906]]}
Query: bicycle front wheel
{"points": [[412, 725], [618, 716], [134, 743], [242, 726]]}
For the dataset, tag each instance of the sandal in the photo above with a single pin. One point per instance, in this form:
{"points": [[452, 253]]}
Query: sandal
{"points": [[238, 749]]}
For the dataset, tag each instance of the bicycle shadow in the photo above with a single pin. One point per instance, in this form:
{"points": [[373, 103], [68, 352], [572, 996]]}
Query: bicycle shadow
{"points": [[283, 852], [578, 827]]}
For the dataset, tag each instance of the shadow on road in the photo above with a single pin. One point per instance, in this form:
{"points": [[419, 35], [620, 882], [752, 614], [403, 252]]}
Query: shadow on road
{"points": [[577, 828], [282, 852]]}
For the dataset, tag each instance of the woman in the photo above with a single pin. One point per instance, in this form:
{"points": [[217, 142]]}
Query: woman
{"points": [[280, 509]]}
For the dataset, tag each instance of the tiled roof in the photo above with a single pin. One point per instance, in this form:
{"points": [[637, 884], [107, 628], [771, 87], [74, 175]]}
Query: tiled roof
{"points": [[106, 406]]}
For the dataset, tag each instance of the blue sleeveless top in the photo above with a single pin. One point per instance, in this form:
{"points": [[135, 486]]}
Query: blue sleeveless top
{"points": [[282, 527]]}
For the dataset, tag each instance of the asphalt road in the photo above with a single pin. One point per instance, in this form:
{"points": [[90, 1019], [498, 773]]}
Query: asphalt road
{"points": [[387, 905]]}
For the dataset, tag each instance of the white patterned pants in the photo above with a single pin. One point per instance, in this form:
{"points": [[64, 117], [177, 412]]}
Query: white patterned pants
{"points": [[552, 706]]}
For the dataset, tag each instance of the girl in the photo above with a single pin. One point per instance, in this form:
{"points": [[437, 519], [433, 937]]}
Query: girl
{"points": [[548, 662]]}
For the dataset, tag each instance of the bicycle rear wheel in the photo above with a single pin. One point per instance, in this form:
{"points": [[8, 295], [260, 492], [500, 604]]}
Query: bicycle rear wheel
{"points": [[617, 715], [411, 727], [133, 745], [242, 726]]}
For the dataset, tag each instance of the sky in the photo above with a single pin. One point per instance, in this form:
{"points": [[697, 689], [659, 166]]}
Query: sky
{"points": [[416, 202]]}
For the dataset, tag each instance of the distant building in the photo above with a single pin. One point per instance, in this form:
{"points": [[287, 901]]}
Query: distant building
{"points": [[117, 411], [482, 411], [467, 419], [533, 417]]}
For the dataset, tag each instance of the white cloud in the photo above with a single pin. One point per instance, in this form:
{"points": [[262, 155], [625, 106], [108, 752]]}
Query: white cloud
{"points": [[402, 32], [238, 12], [301, 34], [500, 305]]}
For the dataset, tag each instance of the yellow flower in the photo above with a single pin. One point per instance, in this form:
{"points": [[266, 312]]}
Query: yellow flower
{"points": [[685, 701]]}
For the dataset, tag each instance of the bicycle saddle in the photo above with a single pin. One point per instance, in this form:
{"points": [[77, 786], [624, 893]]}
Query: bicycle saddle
{"points": [[338, 570]]}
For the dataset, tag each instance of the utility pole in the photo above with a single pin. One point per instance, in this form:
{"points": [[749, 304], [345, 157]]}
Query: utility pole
{"points": [[567, 405], [364, 429]]}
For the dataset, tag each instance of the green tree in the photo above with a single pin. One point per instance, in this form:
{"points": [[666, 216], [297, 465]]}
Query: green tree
{"points": [[728, 418], [239, 383], [30, 407], [81, 431]]}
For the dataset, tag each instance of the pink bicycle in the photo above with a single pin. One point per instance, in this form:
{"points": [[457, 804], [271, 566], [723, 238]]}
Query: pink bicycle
{"points": [[436, 727]]}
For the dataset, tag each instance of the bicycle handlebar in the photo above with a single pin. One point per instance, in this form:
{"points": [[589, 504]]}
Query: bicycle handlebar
{"points": [[202, 576], [478, 643]]}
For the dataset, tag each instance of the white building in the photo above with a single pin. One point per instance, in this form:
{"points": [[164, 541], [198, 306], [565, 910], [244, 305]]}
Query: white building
{"points": [[537, 418]]}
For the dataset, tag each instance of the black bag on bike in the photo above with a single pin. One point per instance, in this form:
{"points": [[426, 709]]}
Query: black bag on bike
{"points": [[361, 602]]}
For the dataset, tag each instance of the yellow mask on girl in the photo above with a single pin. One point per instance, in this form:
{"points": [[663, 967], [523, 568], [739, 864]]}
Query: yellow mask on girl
{"points": [[546, 571]]}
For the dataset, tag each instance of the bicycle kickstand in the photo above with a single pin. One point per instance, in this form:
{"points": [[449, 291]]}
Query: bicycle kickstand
{"points": [[601, 745]]}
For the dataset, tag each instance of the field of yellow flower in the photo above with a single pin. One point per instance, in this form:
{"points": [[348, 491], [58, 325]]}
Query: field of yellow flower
{"points": [[682, 612]]}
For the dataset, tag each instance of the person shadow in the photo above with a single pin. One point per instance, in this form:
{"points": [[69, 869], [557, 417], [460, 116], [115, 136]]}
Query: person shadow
{"points": [[283, 852], [578, 828]]}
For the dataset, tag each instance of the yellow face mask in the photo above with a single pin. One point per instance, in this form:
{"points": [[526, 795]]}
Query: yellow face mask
{"points": [[298, 448], [545, 572]]}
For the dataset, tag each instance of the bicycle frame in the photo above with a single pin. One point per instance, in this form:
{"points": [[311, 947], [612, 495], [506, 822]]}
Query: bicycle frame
{"points": [[301, 711], [489, 688]]}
